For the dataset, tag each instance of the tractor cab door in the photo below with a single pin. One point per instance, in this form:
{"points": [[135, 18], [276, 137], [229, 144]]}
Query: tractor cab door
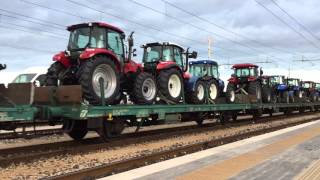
{"points": [[115, 44], [177, 54]]}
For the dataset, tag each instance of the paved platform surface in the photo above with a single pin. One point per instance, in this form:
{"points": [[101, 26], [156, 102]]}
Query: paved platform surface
{"points": [[291, 153]]}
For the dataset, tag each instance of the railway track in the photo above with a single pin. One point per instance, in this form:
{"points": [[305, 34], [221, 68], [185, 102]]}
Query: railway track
{"points": [[30, 134], [132, 163], [31, 153]]}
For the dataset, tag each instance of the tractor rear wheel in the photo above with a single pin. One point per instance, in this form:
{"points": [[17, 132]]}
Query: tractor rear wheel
{"points": [[255, 89], [231, 93], [285, 98], [144, 89], [213, 90], [53, 72], [170, 84], [92, 72], [313, 97], [266, 95], [197, 96]]}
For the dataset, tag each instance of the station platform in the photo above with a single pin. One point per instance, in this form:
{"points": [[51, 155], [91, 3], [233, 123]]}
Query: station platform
{"points": [[291, 153]]}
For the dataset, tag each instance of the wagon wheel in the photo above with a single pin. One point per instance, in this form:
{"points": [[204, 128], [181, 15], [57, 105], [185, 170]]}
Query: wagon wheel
{"points": [[111, 129], [76, 129]]}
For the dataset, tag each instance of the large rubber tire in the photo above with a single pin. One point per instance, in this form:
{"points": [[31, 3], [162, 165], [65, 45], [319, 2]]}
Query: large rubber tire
{"points": [[170, 84], [313, 97], [213, 90], [144, 89], [197, 96], [285, 97], [111, 129], [89, 74], [230, 93], [52, 75], [255, 89], [266, 95], [77, 129]]}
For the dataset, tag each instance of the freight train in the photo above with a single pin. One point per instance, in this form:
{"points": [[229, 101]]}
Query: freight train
{"points": [[89, 86]]}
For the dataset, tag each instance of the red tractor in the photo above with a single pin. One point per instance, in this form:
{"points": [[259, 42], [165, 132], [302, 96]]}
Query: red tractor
{"points": [[245, 80], [165, 68], [95, 57]]}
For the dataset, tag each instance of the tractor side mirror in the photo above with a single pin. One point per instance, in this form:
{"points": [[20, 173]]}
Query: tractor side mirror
{"points": [[193, 55], [134, 52], [130, 44], [261, 72]]}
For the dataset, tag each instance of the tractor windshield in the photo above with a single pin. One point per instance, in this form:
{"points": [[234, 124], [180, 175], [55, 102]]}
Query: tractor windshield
{"points": [[158, 53], [152, 53], [84, 37], [196, 70], [204, 70], [245, 72], [307, 85], [276, 80], [293, 82], [318, 85]]}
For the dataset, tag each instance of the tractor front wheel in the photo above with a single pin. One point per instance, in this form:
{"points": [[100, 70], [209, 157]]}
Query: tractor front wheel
{"points": [[53, 72], [255, 89], [92, 73], [144, 89], [231, 93], [170, 84], [213, 90], [197, 96]]}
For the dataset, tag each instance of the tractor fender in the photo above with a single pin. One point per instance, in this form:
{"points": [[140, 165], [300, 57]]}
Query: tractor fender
{"points": [[62, 58], [167, 65], [191, 83], [132, 67], [89, 53], [291, 93], [282, 87], [233, 80]]}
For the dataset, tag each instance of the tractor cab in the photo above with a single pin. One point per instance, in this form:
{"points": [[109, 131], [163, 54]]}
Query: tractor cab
{"points": [[245, 80], [278, 83], [310, 90], [317, 85], [204, 68], [244, 73], [308, 85], [165, 55], [293, 83], [167, 63]]}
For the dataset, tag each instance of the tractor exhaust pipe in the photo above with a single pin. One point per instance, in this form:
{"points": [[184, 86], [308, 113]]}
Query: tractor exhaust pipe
{"points": [[130, 44], [192, 55]]}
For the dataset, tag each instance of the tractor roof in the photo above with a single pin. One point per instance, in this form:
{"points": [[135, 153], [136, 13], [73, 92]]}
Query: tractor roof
{"points": [[204, 62], [99, 24], [277, 76], [244, 65], [308, 82], [161, 44]]}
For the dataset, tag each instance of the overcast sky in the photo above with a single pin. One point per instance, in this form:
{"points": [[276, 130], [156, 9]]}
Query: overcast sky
{"points": [[242, 31]]}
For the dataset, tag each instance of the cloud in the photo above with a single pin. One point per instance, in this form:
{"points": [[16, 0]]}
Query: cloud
{"points": [[243, 17]]}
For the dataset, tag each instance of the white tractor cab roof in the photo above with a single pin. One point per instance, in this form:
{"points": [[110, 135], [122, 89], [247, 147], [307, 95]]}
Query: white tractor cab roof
{"points": [[34, 75]]}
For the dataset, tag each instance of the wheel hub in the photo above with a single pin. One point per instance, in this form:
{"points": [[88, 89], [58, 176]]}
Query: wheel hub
{"points": [[200, 92], [108, 75], [174, 85], [149, 89], [213, 91]]}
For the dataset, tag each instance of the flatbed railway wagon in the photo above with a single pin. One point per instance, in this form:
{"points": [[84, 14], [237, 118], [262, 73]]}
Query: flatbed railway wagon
{"points": [[24, 102]]}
